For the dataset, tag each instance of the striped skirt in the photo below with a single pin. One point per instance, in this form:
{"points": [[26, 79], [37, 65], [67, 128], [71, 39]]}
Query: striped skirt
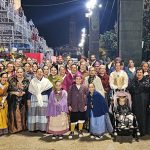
{"points": [[37, 115]]}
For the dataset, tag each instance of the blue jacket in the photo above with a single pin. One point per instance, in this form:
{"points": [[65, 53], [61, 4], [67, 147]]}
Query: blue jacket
{"points": [[99, 104]]}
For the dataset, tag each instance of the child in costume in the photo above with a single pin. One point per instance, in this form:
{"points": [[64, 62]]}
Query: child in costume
{"points": [[77, 105], [57, 112]]}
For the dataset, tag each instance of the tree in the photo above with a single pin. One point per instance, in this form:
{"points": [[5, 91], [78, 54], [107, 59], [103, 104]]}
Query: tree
{"points": [[108, 41]]}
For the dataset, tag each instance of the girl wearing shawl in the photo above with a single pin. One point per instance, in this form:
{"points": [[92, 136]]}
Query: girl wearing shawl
{"points": [[57, 112], [97, 111], [17, 102], [39, 89], [3, 104]]}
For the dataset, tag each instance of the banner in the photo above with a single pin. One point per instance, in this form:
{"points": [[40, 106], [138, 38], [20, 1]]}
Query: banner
{"points": [[37, 56]]}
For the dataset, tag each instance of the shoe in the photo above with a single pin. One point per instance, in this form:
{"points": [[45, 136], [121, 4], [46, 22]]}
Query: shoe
{"points": [[54, 137], [92, 136], [115, 133], [138, 133], [80, 134], [71, 135], [98, 137], [60, 137], [123, 126], [132, 127]]}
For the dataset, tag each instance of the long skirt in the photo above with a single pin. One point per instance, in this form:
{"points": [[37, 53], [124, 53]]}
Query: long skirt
{"points": [[58, 125], [17, 119], [4, 119], [37, 115], [100, 125]]}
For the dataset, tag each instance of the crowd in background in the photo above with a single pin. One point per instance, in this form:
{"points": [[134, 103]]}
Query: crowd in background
{"points": [[55, 97]]}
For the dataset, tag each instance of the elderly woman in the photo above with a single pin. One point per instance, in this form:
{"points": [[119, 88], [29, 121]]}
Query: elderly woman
{"points": [[93, 78], [39, 88], [83, 70], [140, 89], [17, 102], [3, 104], [105, 80]]}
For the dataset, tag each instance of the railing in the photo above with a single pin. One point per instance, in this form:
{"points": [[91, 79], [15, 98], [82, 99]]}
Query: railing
{"points": [[20, 30], [3, 4]]}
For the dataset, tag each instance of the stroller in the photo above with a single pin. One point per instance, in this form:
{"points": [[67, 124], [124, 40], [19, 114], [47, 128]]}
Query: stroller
{"points": [[124, 121]]}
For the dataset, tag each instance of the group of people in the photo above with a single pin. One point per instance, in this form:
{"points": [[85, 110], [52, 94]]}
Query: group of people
{"points": [[58, 97]]}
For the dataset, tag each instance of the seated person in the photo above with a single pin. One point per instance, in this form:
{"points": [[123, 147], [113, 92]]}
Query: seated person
{"points": [[123, 113]]}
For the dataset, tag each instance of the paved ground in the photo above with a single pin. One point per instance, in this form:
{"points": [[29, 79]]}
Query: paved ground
{"points": [[39, 141]]}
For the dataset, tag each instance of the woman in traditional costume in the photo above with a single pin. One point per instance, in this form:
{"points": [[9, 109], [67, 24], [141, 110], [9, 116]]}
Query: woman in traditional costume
{"points": [[3, 104], [118, 79], [57, 112], [140, 92], [39, 89], [10, 69], [17, 102], [62, 72], [97, 111], [93, 78], [46, 71], [53, 77]]}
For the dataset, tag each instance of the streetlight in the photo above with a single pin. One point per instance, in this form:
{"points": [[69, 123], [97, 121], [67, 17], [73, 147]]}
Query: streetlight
{"points": [[100, 6], [82, 41], [83, 30], [91, 4]]}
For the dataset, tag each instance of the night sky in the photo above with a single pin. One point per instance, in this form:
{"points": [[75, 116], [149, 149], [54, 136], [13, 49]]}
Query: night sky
{"points": [[53, 22]]}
